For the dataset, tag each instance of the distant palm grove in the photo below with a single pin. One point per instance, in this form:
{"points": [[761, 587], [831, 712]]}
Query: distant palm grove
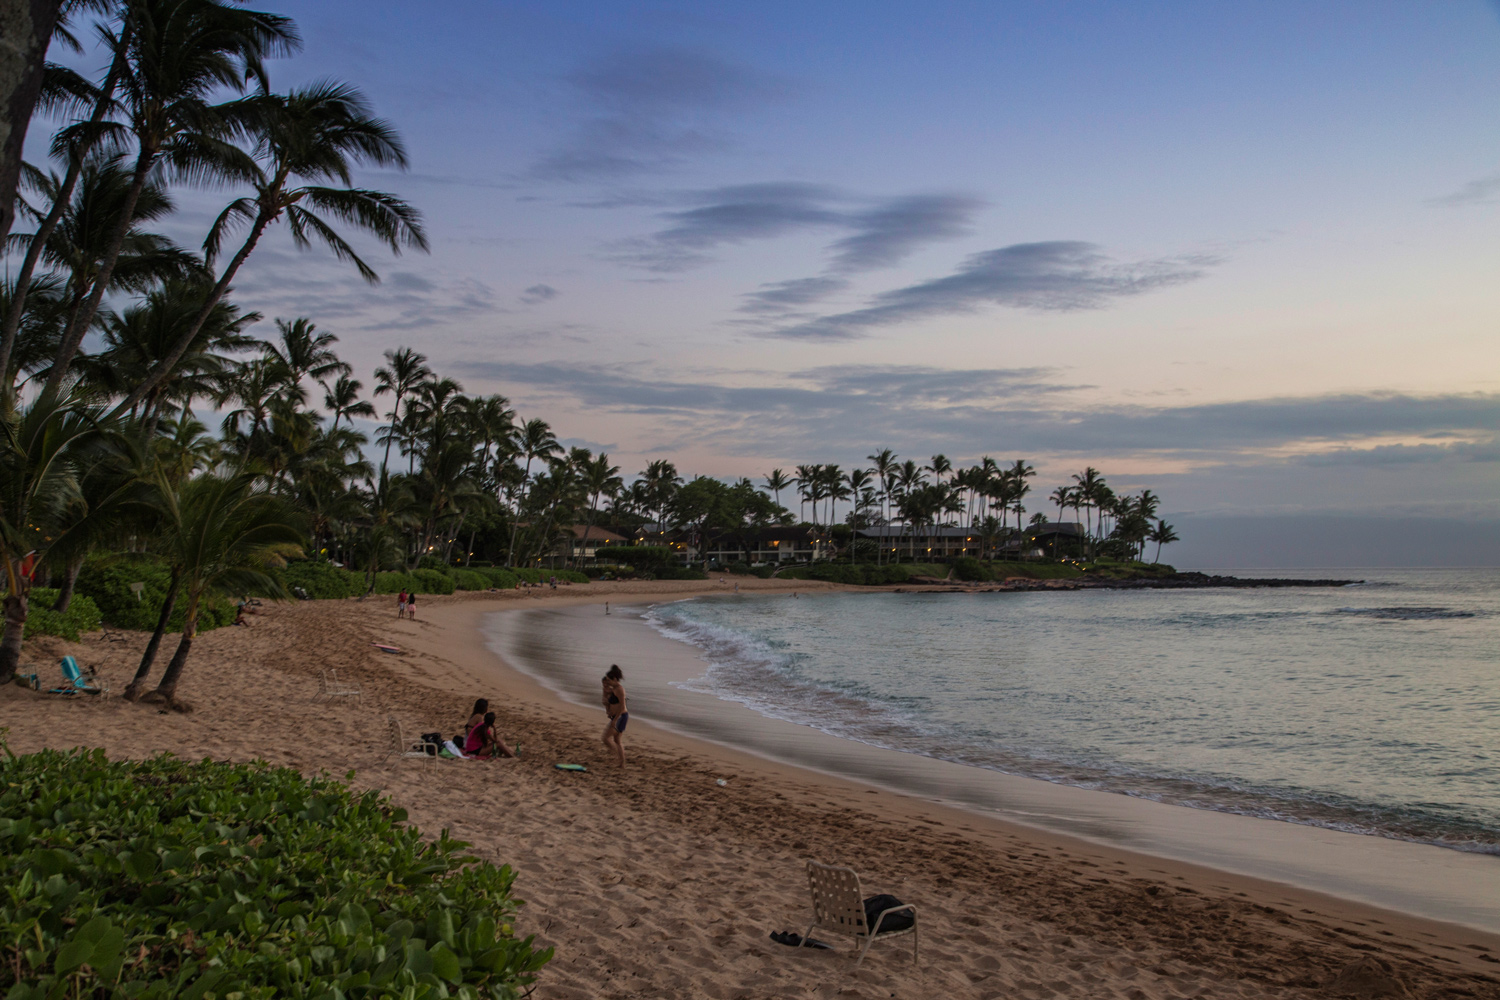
{"points": [[166, 451]]}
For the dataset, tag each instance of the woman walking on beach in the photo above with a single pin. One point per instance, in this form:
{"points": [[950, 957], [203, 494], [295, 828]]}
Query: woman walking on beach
{"points": [[619, 713]]}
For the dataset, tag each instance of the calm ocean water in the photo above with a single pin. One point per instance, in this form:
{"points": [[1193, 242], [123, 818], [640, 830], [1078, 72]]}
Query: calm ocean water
{"points": [[1372, 708]]}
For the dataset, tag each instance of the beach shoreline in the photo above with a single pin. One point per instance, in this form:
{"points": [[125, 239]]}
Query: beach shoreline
{"points": [[660, 882]]}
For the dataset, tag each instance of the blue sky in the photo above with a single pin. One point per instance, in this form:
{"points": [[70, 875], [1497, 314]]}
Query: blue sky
{"points": [[1244, 254]]}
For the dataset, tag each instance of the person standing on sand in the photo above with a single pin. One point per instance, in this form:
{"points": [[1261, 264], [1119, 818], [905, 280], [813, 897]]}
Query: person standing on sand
{"points": [[411, 605], [619, 714], [401, 604]]}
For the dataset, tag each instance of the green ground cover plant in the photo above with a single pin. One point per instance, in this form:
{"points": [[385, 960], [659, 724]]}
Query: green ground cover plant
{"points": [[82, 615], [107, 583], [169, 880]]}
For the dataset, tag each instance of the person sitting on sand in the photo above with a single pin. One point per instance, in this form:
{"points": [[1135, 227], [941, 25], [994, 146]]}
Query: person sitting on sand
{"points": [[401, 604], [239, 617], [476, 717], [619, 713], [484, 742]]}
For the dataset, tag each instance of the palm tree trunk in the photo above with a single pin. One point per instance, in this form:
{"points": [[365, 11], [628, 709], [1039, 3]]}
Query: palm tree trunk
{"points": [[15, 631], [59, 205], [133, 690], [28, 26], [65, 592], [166, 690], [164, 367]]}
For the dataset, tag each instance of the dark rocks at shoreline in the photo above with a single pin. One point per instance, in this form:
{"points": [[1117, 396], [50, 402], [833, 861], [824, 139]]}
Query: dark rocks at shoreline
{"points": [[1173, 581]]}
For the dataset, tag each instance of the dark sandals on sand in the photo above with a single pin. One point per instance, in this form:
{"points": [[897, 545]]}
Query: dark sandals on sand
{"points": [[795, 940]]}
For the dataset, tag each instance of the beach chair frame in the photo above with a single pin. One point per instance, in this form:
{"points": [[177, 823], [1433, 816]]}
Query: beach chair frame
{"points": [[80, 678], [838, 905], [329, 686], [404, 750]]}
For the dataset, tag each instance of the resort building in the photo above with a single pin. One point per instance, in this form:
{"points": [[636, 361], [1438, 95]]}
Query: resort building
{"points": [[574, 546], [924, 542]]}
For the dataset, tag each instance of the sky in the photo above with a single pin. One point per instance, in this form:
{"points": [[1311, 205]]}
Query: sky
{"points": [[1245, 255]]}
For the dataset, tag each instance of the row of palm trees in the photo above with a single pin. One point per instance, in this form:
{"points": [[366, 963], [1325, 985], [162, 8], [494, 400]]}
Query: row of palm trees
{"points": [[980, 498]]}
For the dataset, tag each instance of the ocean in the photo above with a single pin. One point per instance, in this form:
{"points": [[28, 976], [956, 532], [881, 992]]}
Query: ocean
{"points": [[1372, 708]]}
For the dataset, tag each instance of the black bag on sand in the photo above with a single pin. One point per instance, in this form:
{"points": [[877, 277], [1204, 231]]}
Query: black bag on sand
{"points": [[876, 905]]}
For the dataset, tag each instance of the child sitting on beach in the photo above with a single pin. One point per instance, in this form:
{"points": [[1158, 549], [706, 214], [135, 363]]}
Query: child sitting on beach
{"points": [[484, 742]]}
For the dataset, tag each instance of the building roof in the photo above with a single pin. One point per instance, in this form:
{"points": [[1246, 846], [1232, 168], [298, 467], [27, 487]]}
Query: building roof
{"points": [[598, 534], [1057, 528], [921, 531]]}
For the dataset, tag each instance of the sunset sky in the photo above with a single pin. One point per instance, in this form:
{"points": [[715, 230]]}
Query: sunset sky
{"points": [[1248, 255]]}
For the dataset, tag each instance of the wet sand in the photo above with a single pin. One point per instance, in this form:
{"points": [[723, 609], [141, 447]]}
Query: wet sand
{"points": [[659, 882]]}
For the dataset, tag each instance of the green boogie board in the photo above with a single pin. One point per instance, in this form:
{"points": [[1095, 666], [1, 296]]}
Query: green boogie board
{"points": [[570, 767]]}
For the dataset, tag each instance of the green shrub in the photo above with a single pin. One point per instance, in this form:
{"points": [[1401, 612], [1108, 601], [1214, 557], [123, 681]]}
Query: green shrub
{"points": [[433, 581], [970, 569], [82, 615], [466, 579], [643, 556], [501, 577], [107, 584], [321, 580], [395, 582], [164, 880]]}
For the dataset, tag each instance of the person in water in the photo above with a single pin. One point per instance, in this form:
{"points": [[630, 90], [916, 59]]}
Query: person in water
{"points": [[618, 711]]}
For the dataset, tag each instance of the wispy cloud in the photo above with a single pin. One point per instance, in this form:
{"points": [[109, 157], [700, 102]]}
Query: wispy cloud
{"points": [[1481, 191], [650, 110], [847, 410], [1052, 276], [537, 294], [877, 232], [783, 298]]}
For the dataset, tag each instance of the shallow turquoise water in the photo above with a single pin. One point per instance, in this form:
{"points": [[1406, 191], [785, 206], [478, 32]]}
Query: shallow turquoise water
{"points": [[1371, 708]]}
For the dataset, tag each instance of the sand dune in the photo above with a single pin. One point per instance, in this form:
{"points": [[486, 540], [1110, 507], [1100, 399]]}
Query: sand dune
{"points": [[659, 882]]}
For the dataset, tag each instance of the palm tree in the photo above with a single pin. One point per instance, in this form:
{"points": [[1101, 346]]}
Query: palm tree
{"points": [[313, 135], [599, 479], [76, 149], [227, 532], [81, 236], [776, 482], [940, 467], [1086, 493], [535, 440], [342, 400], [181, 53], [37, 447], [1019, 472], [304, 352], [1162, 534], [404, 370]]}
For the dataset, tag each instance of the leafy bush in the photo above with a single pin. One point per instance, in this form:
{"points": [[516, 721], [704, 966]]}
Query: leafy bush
{"points": [[395, 582], [466, 579], [501, 577], [433, 581], [855, 574], [82, 615], [107, 584], [322, 580], [970, 569], [643, 556], [164, 880]]}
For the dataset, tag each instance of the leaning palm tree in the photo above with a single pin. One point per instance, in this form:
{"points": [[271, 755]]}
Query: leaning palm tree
{"points": [[228, 532], [1162, 534], [182, 53], [314, 135], [535, 440]]}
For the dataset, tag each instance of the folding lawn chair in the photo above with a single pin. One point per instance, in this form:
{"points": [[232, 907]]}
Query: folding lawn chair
{"points": [[838, 905], [76, 678], [399, 747]]}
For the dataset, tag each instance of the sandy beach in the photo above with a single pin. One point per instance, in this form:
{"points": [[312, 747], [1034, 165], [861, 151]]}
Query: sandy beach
{"points": [[659, 882]]}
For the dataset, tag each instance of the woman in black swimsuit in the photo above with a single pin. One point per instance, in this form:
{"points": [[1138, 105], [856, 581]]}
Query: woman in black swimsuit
{"points": [[619, 714]]}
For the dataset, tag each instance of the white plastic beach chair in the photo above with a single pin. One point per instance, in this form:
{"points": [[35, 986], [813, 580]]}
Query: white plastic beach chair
{"points": [[329, 686], [399, 747], [838, 905]]}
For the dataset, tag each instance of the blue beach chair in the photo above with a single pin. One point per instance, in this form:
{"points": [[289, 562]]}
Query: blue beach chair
{"points": [[75, 679]]}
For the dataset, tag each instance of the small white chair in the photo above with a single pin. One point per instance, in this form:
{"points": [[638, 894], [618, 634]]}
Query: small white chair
{"points": [[838, 905], [399, 747], [329, 686]]}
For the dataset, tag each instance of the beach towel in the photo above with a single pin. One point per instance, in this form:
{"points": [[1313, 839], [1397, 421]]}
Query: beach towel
{"points": [[570, 767], [453, 749]]}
